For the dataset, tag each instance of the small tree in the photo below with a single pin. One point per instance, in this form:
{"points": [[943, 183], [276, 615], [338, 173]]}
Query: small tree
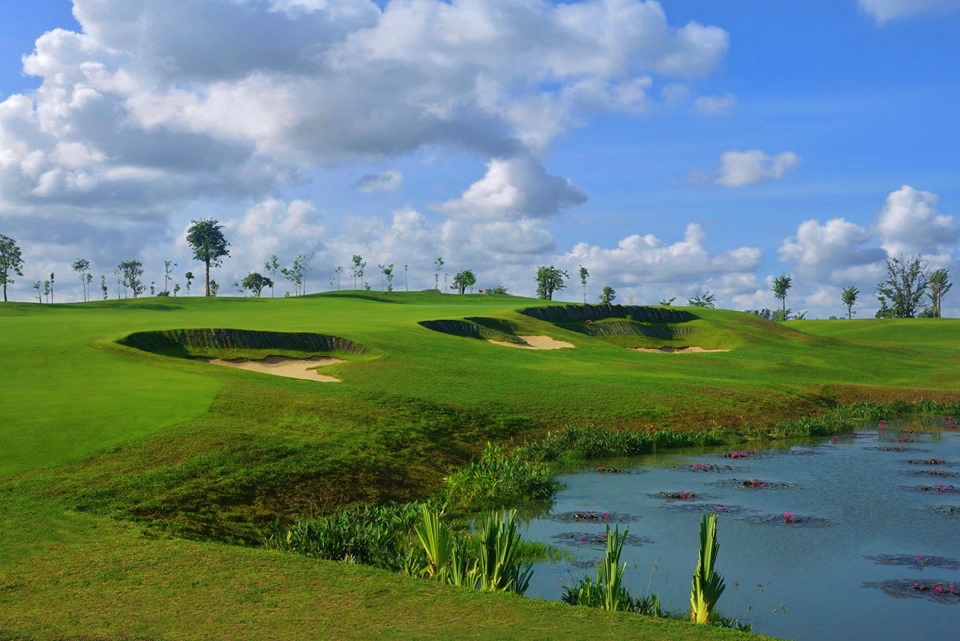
{"points": [[939, 283], [607, 295], [209, 245], [297, 274], [11, 262], [153, 288], [357, 270], [584, 274], [214, 288], [131, 271], [168, 266], [463, 280], [189, 278], [272, 266], [37, 285], [338, 272], [103, 286], [255, 283], [406, 281], [82, 267], [387, 272], [46, 289], [437, 268], [702, 299], [901, 293], [781, 285], [176, 289], [549, 280], [849, 297], [51, 286], [667, 302]]}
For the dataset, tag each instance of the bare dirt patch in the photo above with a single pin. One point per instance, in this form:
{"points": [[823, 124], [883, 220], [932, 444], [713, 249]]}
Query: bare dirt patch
{"points": [[536, 342], [305, 369], [677, 350]]}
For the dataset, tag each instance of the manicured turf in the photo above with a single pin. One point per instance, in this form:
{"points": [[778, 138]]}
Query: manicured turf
{"points": [[105, 448]]}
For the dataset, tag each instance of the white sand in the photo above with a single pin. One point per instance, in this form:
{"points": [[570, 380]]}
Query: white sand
{"points": [[536, 342], [677, 350], [305, 369]]}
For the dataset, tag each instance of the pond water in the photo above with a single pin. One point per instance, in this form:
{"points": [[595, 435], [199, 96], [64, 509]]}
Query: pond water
{"points": [[855, 537]]}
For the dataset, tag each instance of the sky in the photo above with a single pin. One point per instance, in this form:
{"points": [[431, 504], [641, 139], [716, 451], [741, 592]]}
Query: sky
{"points": [[671, 148]]}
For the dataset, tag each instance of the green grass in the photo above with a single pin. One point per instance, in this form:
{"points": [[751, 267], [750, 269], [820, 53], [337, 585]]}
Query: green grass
{"points": [[122, 472]]}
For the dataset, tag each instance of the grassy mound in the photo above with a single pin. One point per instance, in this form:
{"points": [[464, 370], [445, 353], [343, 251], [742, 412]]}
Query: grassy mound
{"points": [[237, 343]]}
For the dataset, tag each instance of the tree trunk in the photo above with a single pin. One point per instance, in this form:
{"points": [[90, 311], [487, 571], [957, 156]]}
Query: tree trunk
{"points": [[207, 265], [4, 290]]}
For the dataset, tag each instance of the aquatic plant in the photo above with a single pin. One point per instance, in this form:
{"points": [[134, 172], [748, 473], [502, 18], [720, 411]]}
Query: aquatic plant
{"points": [[499, 568], [501, 477], [707, 585], [607, 591]]}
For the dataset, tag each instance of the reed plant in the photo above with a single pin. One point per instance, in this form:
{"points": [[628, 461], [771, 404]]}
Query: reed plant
{"points": [[707, 586]]}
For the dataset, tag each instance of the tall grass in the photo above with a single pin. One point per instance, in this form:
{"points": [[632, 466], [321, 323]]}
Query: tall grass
{"points": [[500, 478]]}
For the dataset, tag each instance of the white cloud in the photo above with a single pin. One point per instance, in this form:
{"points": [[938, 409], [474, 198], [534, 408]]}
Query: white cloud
{"points": [[515, 188], [741, 168], [910, 223], [715, 105], [885, 10], [837, 244], [390, 180]]}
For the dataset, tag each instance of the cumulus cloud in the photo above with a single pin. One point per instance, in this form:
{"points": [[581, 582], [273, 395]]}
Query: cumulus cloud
{"points": [[390, 180], [837, 244], [885, 10], [642, 259], [715, 105], [515, 188], [910, 222], [741, 168]]}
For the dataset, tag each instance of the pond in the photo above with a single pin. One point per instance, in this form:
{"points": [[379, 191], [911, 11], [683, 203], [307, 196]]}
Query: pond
{"points": [[855, 537]]}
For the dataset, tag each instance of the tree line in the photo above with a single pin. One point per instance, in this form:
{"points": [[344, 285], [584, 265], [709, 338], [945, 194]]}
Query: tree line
{"points": [[909, 290]]}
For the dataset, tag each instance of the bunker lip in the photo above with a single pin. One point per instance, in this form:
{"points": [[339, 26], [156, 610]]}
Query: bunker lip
{"points": [[303, 369], [678, 350], [536, 342]]}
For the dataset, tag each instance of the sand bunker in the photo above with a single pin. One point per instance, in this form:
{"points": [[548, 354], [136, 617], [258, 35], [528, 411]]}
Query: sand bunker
{"points": [[677, 350], [289, 367], [536, 342]]}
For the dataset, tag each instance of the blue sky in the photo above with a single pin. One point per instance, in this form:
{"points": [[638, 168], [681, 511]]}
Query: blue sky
{"points": [[669, 147]]}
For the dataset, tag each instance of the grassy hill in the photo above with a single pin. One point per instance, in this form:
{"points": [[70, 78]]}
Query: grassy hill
{"points": [[123, 470]]}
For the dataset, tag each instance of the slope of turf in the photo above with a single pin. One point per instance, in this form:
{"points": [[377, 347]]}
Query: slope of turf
{"points": [[106, 446]]}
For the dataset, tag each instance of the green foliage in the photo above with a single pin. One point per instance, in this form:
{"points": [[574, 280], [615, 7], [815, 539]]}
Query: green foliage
{"points": [[608, 591], [584, 275], [297, 274], [702, 299], [849, 298], [131, 271], [255, 283], [499, 568], [82, 267], [781, 285], [549, 280], [707, 586], [607, 295], [367, 534], [939, 284], [463, 280], [496, 290], [11, 262], [500, 478], [209, 245], [901, 293]]}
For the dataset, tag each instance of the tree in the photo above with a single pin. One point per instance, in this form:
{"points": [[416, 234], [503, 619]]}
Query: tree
{"points": [[11, 262], [781, 285], [939, 283], [339, 272], [255, 283], [357, 271], [464, 279], [168, 266], [667, 302], [849, 297], [607, 295], [176, 289], [901, 293], [189, 278], [82, 267], [206, 239], [387, 271], [297, 274], [153, 288], [702, 299], [103, 286], [437, 268], [214, 287], [46, 289], [584, 274], [406, 281], [51, 281], [550, 280], [272, 266], [132, 270], [37, 285]]}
